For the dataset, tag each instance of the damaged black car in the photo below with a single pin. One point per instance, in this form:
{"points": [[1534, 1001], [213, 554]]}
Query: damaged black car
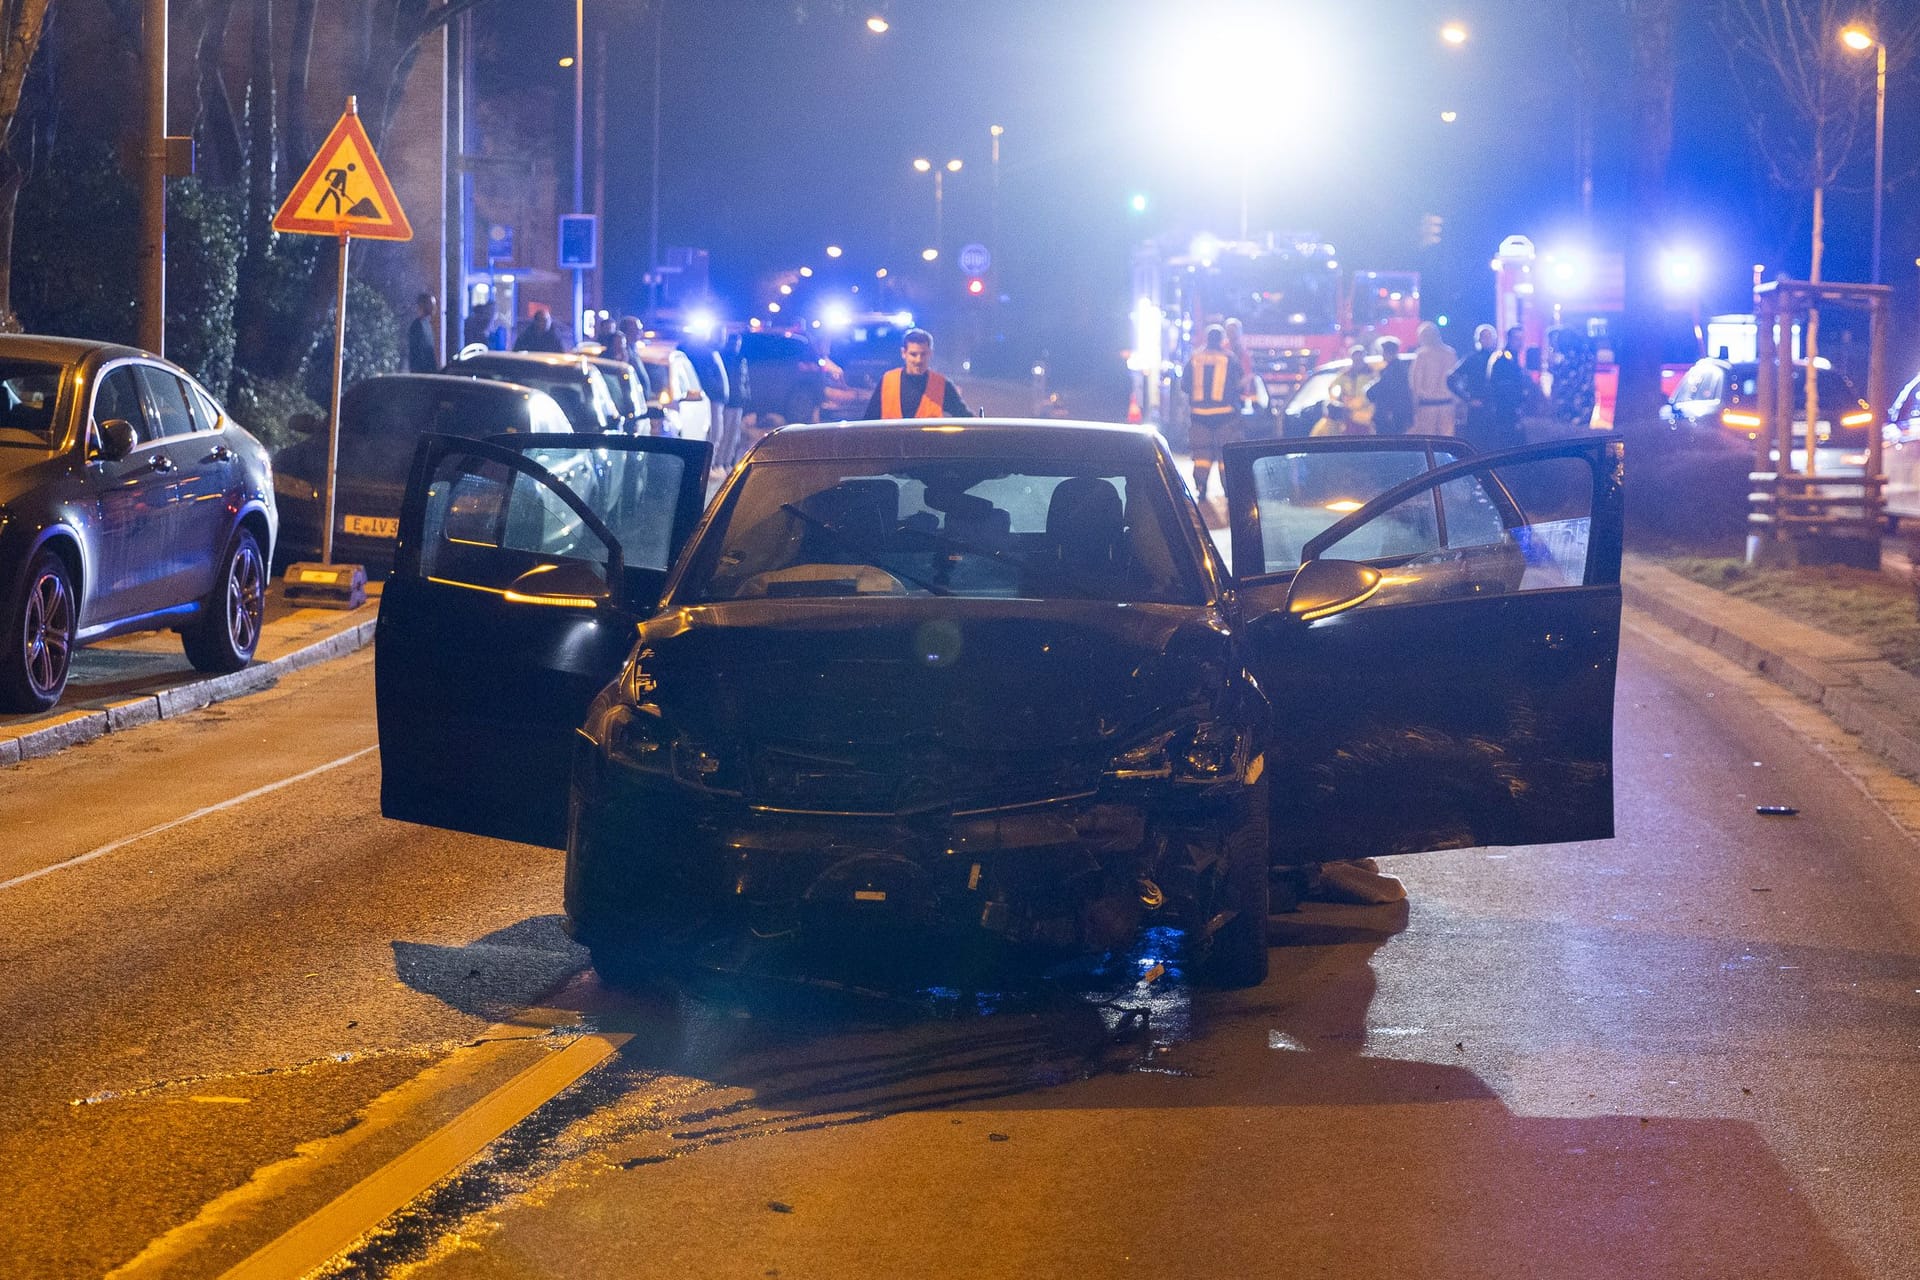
{"points": [[993, 678]]}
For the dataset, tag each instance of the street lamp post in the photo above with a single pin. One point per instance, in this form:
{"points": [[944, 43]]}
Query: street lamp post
{"points": [[579, 153], [1860, 39], [939, 172]]}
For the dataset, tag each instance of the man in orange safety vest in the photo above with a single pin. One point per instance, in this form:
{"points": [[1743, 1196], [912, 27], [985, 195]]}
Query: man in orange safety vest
{"points": [[914, 390]]}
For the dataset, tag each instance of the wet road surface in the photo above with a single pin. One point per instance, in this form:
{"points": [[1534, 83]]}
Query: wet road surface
{"points": [[1688, 1052]]}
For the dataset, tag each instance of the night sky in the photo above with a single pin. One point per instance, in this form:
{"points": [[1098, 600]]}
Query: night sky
{"points": [[787, 126]]}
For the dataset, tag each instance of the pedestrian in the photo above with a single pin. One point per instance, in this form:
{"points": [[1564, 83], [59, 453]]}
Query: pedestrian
{"points": [[733, 430], [423, 339], [538, 333], [1391, 393], [1348, 411], [478, 325], [915, 384], [1468, 381], [1508, 390], [1434, 404], [1571, 363], [629, 327], [712, 373], [1213, 397]]}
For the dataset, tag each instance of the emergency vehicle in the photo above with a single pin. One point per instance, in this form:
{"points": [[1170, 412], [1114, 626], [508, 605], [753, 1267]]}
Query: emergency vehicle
{"points": [[1297, 306]]}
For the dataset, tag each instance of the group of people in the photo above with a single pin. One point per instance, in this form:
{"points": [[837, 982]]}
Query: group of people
{"points": [[1482, 397]]}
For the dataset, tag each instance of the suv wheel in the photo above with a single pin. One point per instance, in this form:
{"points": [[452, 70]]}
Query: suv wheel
{"points": [[41, 623], [223, 637]]}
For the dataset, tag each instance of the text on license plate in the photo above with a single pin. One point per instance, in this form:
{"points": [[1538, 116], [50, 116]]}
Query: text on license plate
{"points": [[373, 526]]}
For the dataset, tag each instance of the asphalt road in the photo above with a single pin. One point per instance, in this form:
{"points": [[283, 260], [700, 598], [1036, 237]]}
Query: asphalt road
{"points": [[1688, 1052]]}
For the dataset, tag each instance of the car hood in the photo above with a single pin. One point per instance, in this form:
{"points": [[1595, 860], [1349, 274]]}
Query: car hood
{"points": [[22, 469], [982, 700]]}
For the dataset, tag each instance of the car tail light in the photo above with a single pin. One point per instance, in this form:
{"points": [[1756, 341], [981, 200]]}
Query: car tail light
{"points": [[1739, 420]]}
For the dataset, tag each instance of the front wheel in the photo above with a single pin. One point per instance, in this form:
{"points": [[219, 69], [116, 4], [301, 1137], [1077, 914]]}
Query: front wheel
{"points": [[41, 625], [1237, 954], [225, 634]]}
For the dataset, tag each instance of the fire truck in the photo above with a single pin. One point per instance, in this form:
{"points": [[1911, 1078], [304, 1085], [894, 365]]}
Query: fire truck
{"points": [[1297, 306]]}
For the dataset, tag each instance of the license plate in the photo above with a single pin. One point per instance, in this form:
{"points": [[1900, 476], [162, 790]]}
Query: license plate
{"points": [[373, 526]]}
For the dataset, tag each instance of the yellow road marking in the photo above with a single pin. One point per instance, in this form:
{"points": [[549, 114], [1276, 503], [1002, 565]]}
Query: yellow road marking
{"points": [[382, 1193]]}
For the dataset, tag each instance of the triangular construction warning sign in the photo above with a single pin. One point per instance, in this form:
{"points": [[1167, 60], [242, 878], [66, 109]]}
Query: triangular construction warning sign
{"points": [[345, 191]]}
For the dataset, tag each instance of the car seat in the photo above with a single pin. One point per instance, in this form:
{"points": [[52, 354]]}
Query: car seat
{"points": [[1086, 530]]}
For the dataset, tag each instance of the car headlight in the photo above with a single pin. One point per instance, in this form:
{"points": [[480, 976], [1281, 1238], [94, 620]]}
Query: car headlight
{"points": [[293, 487], [637, 737], [1206, 751]]}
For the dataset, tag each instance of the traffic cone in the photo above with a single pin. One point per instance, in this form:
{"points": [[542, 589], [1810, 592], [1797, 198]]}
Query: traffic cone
{"points": [[1133, 407]]}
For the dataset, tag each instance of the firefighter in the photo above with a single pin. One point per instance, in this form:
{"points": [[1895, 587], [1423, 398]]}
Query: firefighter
{"points": [[914, 390], [1212, 397]]}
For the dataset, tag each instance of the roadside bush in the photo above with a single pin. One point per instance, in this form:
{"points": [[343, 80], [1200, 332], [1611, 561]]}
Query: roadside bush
{"points": [[265, 406], [1687, 499], [373, 344], [75, 247]]}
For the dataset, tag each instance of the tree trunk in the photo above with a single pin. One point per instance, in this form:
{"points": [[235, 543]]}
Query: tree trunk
{"points": [[1637, 403], [27, 23], [218, 129], [12, 177], [299, 141], [257, 347], [1813, 315]]}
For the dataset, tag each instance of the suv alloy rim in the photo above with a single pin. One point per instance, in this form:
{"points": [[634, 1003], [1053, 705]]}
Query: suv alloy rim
{"points": [[49, 632], [246, 597]]}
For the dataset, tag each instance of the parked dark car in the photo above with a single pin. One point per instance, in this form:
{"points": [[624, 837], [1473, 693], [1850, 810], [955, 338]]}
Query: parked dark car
{"points": [[574, 381], [381, 420], [993, 679], [128, 502], [786, 376], [1716, 403], [1306, 406]]}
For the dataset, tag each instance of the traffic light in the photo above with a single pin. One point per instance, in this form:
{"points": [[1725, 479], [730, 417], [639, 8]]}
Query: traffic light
{"points": [[1429, 230], [976, 287]]}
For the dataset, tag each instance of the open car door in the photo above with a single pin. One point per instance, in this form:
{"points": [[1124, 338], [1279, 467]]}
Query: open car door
{"points": [[522, 566], [1443, 677]]}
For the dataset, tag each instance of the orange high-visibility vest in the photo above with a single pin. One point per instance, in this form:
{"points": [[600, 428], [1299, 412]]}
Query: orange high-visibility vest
{"points": [[932, 401]]}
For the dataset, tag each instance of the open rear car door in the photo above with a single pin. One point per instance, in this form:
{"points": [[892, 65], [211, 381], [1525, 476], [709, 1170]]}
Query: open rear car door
{"points": [[1440, 657], [522, 566]]}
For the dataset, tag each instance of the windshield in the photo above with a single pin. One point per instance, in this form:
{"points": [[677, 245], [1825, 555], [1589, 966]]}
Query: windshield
{"points": [[983, 528], [31, 389], [1275, 293]]}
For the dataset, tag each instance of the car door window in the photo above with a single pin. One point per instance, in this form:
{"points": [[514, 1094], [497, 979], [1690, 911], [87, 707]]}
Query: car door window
{"points": [[118, 396], [206, 413], [632, 493], [477, 507], [1500, 530], [1300, 494], [167, 406]]}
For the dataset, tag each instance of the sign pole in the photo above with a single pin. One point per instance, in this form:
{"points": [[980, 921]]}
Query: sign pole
{"points": [[333, 407]]}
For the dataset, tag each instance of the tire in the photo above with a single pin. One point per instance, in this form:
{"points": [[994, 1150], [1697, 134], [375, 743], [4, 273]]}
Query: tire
{"points": [[39, 639], [225, 634], [1237, 954]]}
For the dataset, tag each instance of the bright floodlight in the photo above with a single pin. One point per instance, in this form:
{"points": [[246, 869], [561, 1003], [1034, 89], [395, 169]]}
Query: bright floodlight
{"points": [[877, 25], [921, 164], [1454, 34], [1857, 38], [1569, 271], [953, 166], [1205, 248], [1680, 271], [701, 324], [1138, 203], [928, 255], [1272, 91], [833, 251], [837, 315]]}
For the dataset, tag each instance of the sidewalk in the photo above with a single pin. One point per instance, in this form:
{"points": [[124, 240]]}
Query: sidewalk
{"points": [[138, 679]]}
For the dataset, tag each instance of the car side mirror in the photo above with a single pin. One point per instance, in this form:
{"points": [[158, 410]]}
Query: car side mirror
{"points": [[116, 439], [1322, 588], [570, 584]]}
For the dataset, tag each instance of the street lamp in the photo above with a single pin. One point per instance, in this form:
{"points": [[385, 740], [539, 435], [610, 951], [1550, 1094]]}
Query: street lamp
{"points": [[1454, 34], [923, 165], [1859, 38], [877, 24]]}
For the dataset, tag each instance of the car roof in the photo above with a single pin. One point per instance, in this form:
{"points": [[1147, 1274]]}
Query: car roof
{"points": [[552, 359], [451, 382], [41, 346], [1097, 443]]}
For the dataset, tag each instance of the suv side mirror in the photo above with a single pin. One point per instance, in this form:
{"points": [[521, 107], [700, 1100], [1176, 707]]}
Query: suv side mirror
{"points": [[116, 439], [1322, 588]]}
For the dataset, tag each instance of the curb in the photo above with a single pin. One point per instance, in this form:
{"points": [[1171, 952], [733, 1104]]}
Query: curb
{"points": [[85, 726], [1858, 690]]}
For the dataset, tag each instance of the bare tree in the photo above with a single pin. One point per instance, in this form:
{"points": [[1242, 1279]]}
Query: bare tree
{"points": [[22, 23], [1806, 119]]}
